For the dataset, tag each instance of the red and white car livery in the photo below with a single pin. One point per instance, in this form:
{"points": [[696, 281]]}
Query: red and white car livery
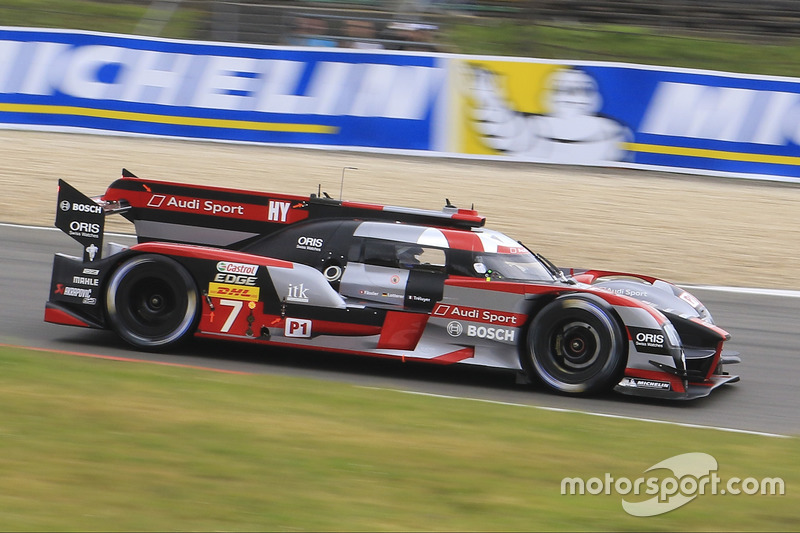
{"points": [[320, 274]]}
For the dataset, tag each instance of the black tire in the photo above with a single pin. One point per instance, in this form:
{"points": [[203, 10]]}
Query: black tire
{"points": [[152, 302], [576, 346]]}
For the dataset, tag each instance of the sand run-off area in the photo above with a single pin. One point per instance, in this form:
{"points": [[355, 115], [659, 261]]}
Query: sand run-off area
{"points": [[694, 230]]}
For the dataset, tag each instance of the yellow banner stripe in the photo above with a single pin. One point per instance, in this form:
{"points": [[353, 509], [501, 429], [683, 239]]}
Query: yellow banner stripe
{"points": [[712, 154], [168, 119]]}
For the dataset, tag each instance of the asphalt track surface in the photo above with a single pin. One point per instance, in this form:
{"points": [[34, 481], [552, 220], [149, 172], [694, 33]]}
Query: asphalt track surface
{"points": [[763, 326]]}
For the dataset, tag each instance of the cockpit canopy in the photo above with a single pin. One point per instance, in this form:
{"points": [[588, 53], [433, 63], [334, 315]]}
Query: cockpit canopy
{"points": [[478, 253]]}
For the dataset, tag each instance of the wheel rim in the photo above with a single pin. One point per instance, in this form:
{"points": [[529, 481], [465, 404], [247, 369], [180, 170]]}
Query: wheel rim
{"points": [[151, 302], [574, 346]]}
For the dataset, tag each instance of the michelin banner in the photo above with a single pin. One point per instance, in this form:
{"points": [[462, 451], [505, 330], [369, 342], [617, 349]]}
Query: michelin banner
{"points": [[629, 116], [436, 104], [66, 80]]}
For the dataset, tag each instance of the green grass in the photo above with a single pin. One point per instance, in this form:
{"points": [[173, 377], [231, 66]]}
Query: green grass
{"points": [[492, 36], [90, 444], [627, 44], [115, 17]]}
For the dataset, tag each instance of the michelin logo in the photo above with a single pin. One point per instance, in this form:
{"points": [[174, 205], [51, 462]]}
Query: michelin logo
{"points": [[332, 88], [723, 114]]}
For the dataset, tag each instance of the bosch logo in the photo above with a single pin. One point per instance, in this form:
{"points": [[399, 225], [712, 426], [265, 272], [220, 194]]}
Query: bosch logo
{"points": [[66, 205], [454, 329], [87, 208], [495, 334]]}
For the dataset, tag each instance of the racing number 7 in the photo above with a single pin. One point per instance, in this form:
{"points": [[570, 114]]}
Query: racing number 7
{"points": [[237, 307]]}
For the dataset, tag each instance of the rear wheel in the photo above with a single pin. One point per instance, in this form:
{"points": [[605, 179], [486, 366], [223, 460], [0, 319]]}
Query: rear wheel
{"points": [[576, 346], [152, 302]]}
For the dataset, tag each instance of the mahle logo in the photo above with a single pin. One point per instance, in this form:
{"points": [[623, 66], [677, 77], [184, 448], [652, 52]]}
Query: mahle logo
{"points": [[690, 475]]}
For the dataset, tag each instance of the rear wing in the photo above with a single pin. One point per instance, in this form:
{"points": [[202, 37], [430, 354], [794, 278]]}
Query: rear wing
{"points": [[81, 218], [222, 217], [203, 215]]}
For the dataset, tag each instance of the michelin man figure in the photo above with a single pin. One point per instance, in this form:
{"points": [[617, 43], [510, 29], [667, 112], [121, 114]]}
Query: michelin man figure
{"points": [[571, 131]]}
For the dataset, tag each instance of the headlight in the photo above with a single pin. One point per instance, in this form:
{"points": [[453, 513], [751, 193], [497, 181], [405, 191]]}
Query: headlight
{"points": [[672, 334]]}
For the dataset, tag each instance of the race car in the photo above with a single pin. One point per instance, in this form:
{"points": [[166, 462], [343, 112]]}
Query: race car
{"points": [[317, 273]]}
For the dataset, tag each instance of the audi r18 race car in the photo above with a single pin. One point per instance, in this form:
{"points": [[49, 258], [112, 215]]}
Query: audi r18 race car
{"points": [[316, 273]]}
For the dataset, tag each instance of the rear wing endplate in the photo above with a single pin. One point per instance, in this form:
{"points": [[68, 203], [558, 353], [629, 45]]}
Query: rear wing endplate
{"points": [[81, 218]]}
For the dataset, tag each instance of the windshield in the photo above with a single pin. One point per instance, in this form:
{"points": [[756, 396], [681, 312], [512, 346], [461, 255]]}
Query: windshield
{"points": [[517, 266]]}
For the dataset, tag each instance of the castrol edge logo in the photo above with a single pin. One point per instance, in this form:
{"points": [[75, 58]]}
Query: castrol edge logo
{"points": [[237, 268]]}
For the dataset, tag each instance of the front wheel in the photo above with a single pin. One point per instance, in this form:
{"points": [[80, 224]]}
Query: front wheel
{"points": [[152, 302], [575, 346]]}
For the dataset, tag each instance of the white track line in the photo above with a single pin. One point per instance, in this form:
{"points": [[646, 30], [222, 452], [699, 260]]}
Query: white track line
{"points": [[783, 293], [589, 413], [739, 290], [718, 288], [47, 228]]}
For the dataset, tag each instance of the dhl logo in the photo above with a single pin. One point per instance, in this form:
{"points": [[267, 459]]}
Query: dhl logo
{"points": [[233, 292]]}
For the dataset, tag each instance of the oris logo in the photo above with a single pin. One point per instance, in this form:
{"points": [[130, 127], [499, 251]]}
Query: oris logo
{"points": [[84, 227], [65, 205], [650, 338], [310, 243]]}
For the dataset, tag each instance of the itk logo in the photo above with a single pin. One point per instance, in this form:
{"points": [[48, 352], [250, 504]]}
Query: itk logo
{"points": [[297, 293], [690, 475]]}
